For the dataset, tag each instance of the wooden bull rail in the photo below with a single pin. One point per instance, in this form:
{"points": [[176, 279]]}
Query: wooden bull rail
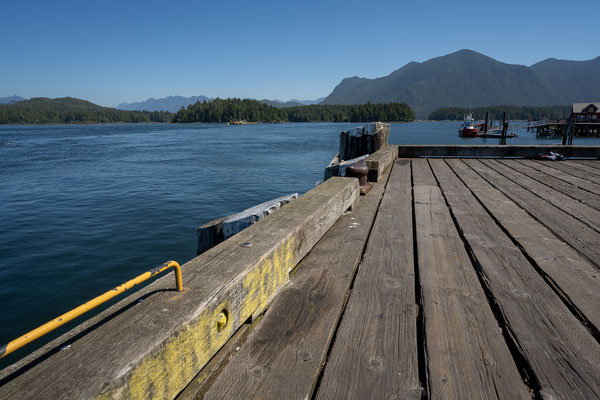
{"points": [[153, 348]]}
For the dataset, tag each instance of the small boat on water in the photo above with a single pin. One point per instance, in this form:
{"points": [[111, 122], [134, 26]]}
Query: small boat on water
{"points": [[468, 128], [242, 122]]}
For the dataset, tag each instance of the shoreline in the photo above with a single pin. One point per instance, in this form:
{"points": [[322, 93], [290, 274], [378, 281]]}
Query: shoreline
{"points": [[206, 123]]}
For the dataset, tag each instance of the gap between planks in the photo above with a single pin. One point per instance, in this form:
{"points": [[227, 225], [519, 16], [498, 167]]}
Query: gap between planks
{"points": [[562, 354]]}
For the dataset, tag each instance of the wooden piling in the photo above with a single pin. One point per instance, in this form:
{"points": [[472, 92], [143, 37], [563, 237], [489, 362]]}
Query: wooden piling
{"points": [[487, 117]]}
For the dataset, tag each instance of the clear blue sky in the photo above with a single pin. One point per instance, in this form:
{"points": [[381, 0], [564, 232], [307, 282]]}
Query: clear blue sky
{"points": [[114, 51]]}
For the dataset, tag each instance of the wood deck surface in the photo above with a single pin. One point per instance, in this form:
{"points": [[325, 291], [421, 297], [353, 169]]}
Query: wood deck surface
{"points": [[452, 278]]}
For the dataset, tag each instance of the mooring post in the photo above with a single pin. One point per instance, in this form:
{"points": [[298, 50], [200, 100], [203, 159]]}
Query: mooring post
{"points": [[503, 136], [487, 117]]}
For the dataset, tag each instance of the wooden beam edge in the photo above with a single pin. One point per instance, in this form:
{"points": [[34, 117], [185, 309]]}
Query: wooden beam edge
{"points": [[169, 366]]}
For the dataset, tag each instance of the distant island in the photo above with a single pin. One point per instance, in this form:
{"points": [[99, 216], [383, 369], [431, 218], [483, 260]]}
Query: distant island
{"points": [[68, 110], [226, 110]]}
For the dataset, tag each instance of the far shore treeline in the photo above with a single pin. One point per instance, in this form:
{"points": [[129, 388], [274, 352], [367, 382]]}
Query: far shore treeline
{"points": [[70, 110], [496, 112], [226, 110]]}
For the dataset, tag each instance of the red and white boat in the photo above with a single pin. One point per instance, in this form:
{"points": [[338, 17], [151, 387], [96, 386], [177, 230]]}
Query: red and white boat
{"points": [[468, 128]]}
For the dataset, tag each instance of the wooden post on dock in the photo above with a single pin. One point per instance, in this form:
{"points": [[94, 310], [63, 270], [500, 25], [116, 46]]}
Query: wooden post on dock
{"points": [[363, 140], [487, 117], [504, 131]]}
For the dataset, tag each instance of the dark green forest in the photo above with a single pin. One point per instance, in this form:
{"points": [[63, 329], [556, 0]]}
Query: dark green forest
{"points": [[68, 110], [226, 110], [496, 112]]}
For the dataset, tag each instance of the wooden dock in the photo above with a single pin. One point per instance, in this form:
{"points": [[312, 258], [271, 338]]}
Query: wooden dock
{"points": [[467, 277], [557, 128]]}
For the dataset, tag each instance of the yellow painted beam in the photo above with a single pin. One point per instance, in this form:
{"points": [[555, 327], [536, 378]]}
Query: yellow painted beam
{"points": [[153, 349]]}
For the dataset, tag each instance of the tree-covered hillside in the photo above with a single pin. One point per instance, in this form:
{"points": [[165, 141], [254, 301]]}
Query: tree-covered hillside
{"points": [[496, 112], [226, 110], [67, 110]]}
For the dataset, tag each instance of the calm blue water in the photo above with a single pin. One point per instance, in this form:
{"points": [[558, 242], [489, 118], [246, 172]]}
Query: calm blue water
{"points": [[84, 208]]}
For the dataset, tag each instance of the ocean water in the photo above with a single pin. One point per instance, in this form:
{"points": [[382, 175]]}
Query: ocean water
{"points": [[84, 208]]}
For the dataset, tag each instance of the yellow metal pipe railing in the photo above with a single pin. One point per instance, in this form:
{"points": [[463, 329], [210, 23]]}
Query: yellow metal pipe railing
{"points": [[63, 319]]}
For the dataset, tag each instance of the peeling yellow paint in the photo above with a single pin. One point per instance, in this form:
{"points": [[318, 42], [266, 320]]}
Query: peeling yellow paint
{"points": [[262, 283], [164, 375]]}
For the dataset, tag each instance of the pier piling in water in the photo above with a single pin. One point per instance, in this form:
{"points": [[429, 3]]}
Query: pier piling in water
{"points": [[487, 116]]}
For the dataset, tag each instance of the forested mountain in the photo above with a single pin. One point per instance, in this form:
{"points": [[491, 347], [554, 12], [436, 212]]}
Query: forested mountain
{"points": [[466, 78], [496, 112], [10, 99], [577, 81], [171, 103], [66, 110], [226, 110]]}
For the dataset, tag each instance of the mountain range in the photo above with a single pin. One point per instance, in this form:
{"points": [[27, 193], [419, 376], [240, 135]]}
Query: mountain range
{"points": [[171, 103], [292, 102], [174, 103], [10, 99], [467, 78]]}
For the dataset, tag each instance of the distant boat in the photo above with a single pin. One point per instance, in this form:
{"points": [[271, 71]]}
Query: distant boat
{"points": [[242, 122], [468, 128]]}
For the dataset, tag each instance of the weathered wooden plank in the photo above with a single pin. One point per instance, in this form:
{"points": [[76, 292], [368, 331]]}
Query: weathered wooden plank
{"points": [[462, 335], [380, 162], [578, 170], [571, 274], [374, 354], [560, 352], [590, 163], [559, 174], [202, 382], [526, 151], [154, 348], [421, 173], [584, 167], [586, 214], [285, 354], [584, 196], [578, 235]]}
